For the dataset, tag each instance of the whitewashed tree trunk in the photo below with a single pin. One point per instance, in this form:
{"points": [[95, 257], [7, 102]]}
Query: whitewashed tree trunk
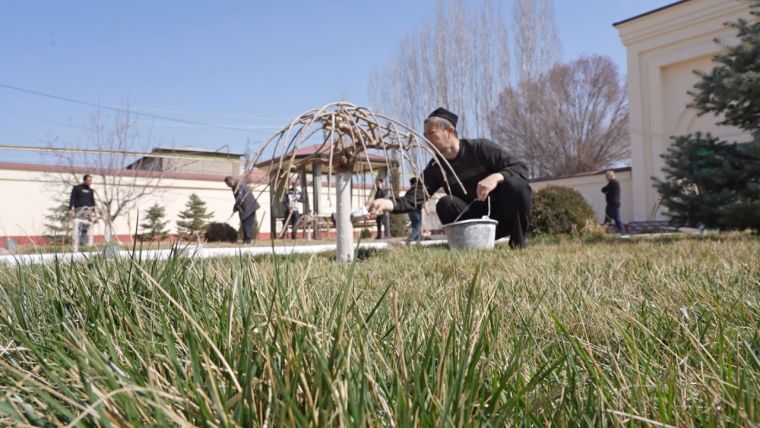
{"points": [[344, 228]]}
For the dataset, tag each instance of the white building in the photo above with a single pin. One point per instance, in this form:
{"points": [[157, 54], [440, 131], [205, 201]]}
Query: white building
{"points": [[664, 47]]}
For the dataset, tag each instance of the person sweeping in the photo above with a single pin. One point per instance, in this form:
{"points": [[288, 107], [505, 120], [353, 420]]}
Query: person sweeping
{"points": [[245, 205]]}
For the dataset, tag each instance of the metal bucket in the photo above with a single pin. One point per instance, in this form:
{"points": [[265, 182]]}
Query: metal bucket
{"points": [[478, 233]]}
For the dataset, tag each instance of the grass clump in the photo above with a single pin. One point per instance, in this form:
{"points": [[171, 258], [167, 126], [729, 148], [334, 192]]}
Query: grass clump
{"points": [[645, 332]]}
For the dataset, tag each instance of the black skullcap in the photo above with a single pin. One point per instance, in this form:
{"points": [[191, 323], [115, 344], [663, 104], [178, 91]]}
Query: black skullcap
{"points": [[445, 114]]}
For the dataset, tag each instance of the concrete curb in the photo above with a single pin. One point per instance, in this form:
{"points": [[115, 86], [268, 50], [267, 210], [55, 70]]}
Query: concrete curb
{"points": [[198, 252]]}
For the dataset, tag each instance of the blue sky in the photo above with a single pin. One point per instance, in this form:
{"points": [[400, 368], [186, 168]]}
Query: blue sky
{"points": [[246, 64]]}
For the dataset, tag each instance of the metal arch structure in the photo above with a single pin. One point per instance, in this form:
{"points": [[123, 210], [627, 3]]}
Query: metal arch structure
{"points": [[350, 136]]}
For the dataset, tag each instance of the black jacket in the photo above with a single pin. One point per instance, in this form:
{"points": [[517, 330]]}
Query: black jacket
{"points": [[245, 204], [612, 192], [380, 194], [81, 196], [476, 160]]}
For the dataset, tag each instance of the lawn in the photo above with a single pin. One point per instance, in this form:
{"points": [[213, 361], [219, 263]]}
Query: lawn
{"points": [[661, 332]]}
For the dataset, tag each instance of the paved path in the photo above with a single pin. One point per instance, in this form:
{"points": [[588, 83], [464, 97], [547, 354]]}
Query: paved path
{"points": [[201, 252]]}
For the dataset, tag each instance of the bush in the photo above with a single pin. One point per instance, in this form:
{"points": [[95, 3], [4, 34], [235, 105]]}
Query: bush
{"points": [[365, 233], [221, 232], [560, 210]]}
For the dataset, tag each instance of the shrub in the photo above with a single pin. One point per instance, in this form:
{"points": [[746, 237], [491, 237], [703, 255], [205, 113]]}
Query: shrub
{"points": [[221, 232], [560, 210], [365, 233]]}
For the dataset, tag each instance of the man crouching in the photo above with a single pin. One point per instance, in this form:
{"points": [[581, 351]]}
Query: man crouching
{"points": [[484, 169]]}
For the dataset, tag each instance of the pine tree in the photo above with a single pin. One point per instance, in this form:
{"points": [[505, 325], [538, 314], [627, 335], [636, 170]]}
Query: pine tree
{"points": [[154, 225], [57, 224], [193, 219], [712, 182], [732, 88]]}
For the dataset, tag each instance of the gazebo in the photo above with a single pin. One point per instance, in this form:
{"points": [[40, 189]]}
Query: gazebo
{"points": [[313, 159], [355, 140]]}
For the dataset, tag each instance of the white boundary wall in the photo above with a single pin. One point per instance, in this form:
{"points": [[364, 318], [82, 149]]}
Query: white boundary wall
{"points": [[28, 196], [590, 186]]}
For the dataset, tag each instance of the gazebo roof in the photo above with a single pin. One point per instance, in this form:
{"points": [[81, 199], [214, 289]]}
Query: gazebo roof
{"points": [[321, 153]]}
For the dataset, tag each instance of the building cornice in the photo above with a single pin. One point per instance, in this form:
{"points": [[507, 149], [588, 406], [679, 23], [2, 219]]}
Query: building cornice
{"points": [[679, 16], [651, 12]]}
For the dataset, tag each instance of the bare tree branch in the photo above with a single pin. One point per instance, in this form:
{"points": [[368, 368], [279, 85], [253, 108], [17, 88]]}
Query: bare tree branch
{"points": [[572, 119], [114, 139], [459, 60]]}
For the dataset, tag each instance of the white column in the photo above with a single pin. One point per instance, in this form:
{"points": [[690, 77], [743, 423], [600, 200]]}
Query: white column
{"points": [[344, 228]]}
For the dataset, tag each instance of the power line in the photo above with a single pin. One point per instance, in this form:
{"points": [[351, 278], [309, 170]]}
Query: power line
{"points": [[239, 116], [135, 112]]}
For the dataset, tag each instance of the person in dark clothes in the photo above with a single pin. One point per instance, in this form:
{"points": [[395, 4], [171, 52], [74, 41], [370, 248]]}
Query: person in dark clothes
{"points": [[82, 195], [245, 205], [484, 169], [82, 211], [293, 209], [612, 196], [383, 219], [415, 218]]}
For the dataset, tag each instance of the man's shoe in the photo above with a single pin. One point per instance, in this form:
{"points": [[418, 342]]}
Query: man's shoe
{"points": [[502, 241]]}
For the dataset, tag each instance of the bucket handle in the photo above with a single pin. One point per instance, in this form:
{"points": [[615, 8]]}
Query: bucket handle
{"points": [[470, 204]]}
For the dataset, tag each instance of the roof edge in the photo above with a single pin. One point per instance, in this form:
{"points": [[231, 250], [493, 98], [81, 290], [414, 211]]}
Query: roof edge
{"points": [[641, 15], [580, 174]]}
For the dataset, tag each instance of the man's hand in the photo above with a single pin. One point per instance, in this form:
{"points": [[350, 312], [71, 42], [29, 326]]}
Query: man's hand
{"points": [[380, 205], [70, 214], [486, 185]]}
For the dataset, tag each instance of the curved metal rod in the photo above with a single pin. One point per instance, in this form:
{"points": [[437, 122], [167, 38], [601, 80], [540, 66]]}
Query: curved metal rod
{"points": [[365, 130]]}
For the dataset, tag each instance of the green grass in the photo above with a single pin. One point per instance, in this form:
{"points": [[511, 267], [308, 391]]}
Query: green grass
{"points": [[660, 332]]}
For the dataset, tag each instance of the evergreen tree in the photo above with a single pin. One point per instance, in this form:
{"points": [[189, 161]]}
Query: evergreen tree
{"points": [[154, 225], [713, 182], [57, 224], [193, 219], [732, 88]]}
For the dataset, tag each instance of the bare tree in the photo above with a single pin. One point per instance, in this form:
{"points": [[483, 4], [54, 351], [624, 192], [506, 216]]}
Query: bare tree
{"points": [[111, 144], [537, 45], [459, 60], [572, 119]]}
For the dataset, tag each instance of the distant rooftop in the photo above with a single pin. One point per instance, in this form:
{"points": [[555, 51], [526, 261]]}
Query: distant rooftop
{"points": [[253, 176], [195, 150], [321, 153]]}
